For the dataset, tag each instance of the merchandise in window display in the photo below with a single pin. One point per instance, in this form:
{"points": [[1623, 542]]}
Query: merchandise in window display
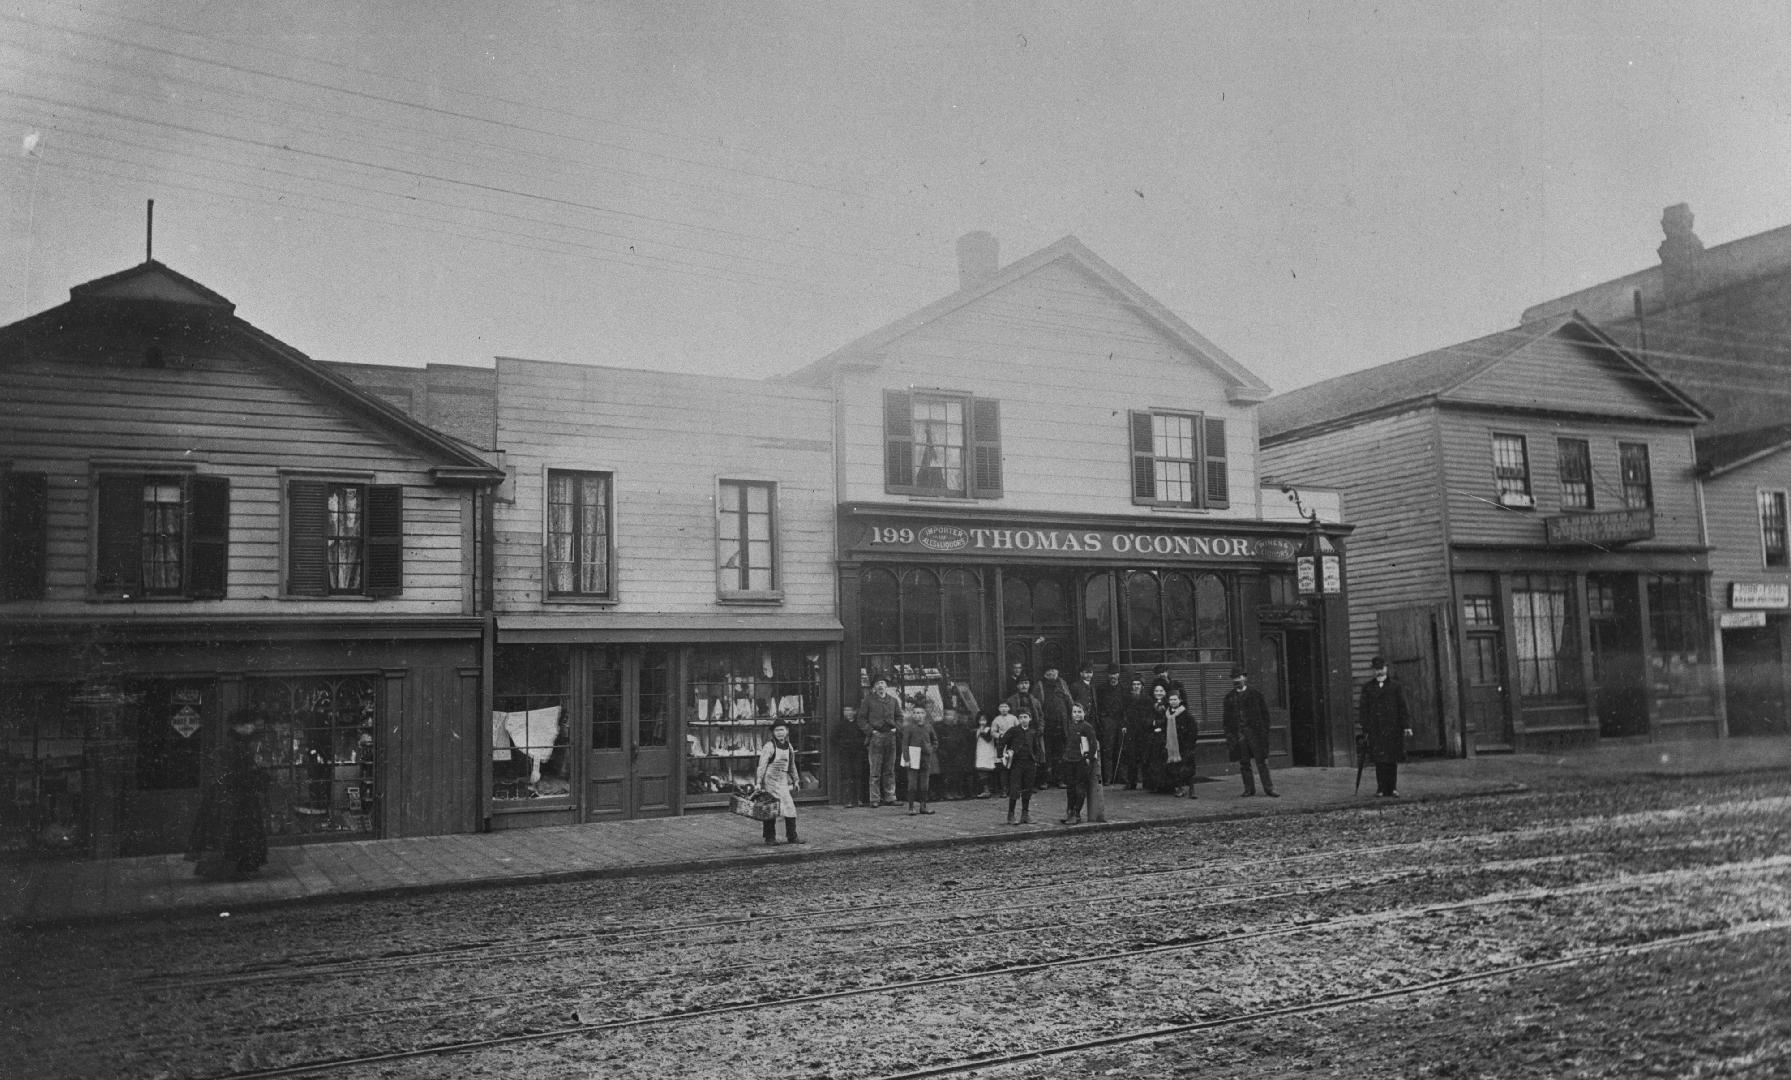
{"points": [[735, 698]]}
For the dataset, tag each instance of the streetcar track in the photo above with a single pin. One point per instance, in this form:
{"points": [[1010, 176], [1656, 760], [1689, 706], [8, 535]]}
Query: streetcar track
{"points": [[1346, 922], [1700, 937], [540, 946]]}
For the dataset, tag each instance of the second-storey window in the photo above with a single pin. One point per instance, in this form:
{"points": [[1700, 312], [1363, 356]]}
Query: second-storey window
{"points": [[746, 535], [1511, 470], [344, 538], [24, 534], [1179, 459], [578, 534], [1638, 487], [940, 443], [1772, 529], [1576, 474], [161, 534]]}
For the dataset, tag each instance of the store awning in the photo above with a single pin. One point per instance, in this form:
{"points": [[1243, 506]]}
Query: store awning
{"points": [[747, 626]]}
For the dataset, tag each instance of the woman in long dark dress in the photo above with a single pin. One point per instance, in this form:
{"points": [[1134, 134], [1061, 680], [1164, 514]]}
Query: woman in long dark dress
{"points": [[230, 837]]}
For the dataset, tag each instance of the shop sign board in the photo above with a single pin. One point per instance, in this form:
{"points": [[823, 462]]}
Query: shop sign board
{"points": [[186, 721], [1760, 595], [893, 536], [1319, 574], [1740, 620], [1607, 527]]}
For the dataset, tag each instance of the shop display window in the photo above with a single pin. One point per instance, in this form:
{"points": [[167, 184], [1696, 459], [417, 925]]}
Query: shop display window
{"points": [[318, 745], [1172, 617], [1679, 623], [736, 693], [42, 791], [531, 751]]}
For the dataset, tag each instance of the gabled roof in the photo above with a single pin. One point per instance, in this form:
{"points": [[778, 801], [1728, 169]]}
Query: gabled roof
{"points": [[159, 297], [1244, 385], [1446, 376], [150, 280], [1718, 454]]}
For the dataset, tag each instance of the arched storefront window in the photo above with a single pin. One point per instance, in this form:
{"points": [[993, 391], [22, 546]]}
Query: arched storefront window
{"points": [[1097, 619], [1213, 618], [1173, 617], [879, 610], [1144, 617], [921, 615], [924, 629]]}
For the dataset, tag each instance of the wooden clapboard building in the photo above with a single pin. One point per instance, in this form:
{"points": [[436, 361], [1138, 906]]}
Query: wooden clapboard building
{"points": [[1529, 552], [1047, 467], [198, 520], [664, 590]]}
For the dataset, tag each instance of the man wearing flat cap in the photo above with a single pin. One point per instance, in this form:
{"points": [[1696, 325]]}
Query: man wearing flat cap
{"points": [[1247, 732], [1383, 723]]}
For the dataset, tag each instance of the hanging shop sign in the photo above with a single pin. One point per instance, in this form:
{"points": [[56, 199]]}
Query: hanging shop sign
{"points": [[1606, 527], [1740, 620], [186, 721], [1760, 595], [893, 536]]}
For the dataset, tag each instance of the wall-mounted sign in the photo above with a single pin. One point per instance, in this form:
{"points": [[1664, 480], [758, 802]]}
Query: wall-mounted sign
{"points": [[1606, 527], [186, 721], [880, 536], [1740, 620], [1318, 574], [1760, 595]]}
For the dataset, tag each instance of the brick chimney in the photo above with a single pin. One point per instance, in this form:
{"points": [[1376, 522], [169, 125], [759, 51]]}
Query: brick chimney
{"points": [[978, 258], [1681, 253]]}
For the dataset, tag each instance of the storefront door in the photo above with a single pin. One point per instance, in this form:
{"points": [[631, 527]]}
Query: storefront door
{"points": [[629, 768], [1040, 628], [1484, 704], [1754, 677], [1618, 674]]}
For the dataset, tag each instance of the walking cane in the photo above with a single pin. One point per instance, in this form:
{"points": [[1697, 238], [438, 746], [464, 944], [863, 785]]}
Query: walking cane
{"points": [[1119, 754], [1361, 762]]}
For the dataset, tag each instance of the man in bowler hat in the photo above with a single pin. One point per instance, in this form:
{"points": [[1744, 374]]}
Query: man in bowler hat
{"points": [[1383, 723], [1247, 732]]}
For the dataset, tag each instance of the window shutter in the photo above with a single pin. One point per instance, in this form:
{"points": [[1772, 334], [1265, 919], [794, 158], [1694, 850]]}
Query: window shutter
{"points": [[898, 439], [985, 420], [208, 532], [307, 512], [1218, 484], [385, 540], [1144, 461], [118, 560], [24, 535]]}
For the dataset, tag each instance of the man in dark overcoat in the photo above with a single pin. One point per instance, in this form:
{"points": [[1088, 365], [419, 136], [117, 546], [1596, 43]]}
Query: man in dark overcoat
{"points": [[1247, 732], [1384, 722], [1109, 719], [1054, 696]]}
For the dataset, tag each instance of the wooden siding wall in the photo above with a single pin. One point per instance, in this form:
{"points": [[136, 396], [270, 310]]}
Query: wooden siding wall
{"points": [[1476, 517], [224, 416], [1565, 376], [1732, 511], [1067, 362], [667, 438], [1386, 470]]}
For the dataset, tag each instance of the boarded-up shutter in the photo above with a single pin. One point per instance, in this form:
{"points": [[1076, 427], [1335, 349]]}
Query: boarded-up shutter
{"points": [[985, 422], [1218, 485], [1144, 461], [208, 532], [898, 439], [307, 514], [385, 540], [118, 558], [24, 535]]}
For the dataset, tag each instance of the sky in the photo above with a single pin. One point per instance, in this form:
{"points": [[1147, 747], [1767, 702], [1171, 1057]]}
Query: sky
{"points": [[742, 188]]}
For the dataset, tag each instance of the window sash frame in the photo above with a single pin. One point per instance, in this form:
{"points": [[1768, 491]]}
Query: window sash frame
{"points": [[741, 512], [578, 542], [1203, 431], [1774, 505], [1635, 473], [1580, 477], [1507, 470]]}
